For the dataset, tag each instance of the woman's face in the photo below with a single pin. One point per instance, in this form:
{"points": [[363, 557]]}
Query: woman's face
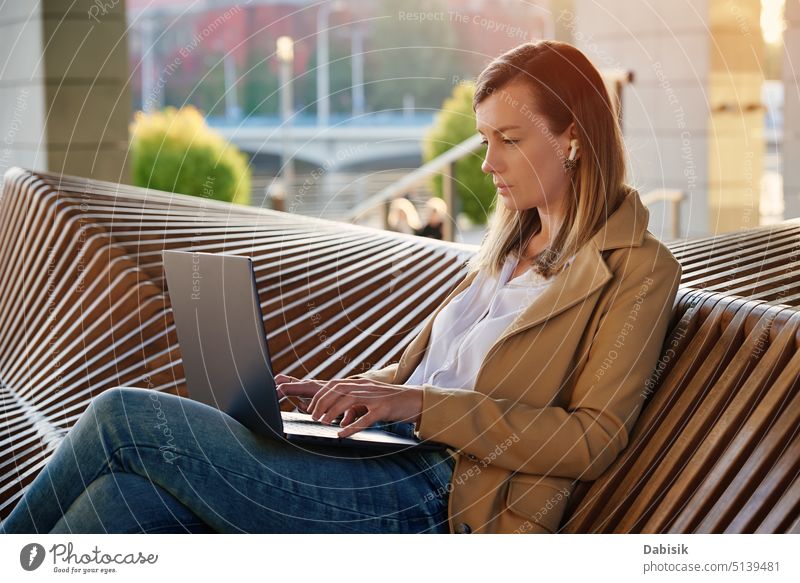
{"points": [[522, 153]]}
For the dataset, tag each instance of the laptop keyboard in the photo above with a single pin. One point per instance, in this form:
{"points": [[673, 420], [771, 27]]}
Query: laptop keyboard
{"points": [[295, 423], [301, 428]]}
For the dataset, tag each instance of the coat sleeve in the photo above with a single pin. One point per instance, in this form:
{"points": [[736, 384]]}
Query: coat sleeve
{"points": [[583, 439], [381, 375]]}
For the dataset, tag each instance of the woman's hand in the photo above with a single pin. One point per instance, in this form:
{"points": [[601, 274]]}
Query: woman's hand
{"points": [[362, 401], [299, 402]]}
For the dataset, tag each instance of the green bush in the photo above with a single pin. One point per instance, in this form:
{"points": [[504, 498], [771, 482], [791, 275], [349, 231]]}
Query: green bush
{"points": [[451, 126], [174, 150]]}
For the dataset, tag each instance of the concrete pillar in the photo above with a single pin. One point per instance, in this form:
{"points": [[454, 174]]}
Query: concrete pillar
{"points": [[791, 111], [736, 144], [561, 30], [692, 117], [64, 102]]}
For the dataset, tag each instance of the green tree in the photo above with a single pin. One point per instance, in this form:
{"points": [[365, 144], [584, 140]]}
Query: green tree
{"points": [[260, 95], [175, 151], [406, 56], [339, 79], [208, 92], [452, 125]]}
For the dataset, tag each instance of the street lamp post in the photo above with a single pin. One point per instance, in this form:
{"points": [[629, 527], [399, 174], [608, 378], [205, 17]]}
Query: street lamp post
{"points": [[285, 51], [323, 56], [357, 69]]}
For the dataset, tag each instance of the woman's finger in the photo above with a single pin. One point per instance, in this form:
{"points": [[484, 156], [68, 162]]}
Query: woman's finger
{"points": [[356, 412], [362, 422], [302, 404], [322, 395], [332, 400], [332, 405], [350, 402], [346, 418], [283, 378], [298, 388], [279, 379]]}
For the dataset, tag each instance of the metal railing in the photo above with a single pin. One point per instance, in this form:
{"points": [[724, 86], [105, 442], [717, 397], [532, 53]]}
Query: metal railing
{"points": [[444, 165], [672, 196]]}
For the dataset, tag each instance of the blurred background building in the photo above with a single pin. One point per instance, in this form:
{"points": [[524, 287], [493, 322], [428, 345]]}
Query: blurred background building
{"points": [[340, 117]]}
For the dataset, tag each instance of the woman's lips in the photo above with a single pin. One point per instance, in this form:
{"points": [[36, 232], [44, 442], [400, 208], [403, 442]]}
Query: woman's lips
{"points": [[503, 187]]}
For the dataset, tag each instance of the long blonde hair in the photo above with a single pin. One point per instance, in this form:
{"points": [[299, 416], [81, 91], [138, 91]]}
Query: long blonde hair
{"points": [[566, 87]]}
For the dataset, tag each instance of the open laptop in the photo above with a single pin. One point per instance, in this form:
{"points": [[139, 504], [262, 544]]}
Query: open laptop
{"points": [[226, 359]]}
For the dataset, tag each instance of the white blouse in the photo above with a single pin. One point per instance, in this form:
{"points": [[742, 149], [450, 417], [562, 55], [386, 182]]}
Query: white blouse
{"points": [[467, 327]]}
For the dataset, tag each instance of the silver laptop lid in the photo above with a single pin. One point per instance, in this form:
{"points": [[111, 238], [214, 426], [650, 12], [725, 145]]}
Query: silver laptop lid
{"points": [[225, 353]]}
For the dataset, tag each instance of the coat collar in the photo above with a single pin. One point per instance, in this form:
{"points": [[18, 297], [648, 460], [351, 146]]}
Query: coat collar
{"points": [[626, 227]]}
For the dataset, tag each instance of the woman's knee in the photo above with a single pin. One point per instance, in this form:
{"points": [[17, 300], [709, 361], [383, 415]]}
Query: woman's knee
{"points": [[127, 417], [118, 402], [109, 401], [116, 414]]}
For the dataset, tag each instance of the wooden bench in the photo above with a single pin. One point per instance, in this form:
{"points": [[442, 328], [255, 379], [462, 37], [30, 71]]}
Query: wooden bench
{"points": [[717, 446], [83, 308]]}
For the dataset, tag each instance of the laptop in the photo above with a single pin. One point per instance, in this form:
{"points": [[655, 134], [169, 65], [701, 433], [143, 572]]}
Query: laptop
{"points": [[226, 358]]}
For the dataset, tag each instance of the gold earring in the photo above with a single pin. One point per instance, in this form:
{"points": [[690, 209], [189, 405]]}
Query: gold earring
{"points": [[571, 163]]}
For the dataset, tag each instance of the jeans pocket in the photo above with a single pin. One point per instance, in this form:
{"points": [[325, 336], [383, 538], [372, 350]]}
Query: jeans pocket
{"points": [[438, 468], [401, 428]]}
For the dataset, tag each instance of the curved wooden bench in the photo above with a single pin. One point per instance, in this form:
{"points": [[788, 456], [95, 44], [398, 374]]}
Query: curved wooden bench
{"points": [[83, 308], [716, 448], [761, 263]]}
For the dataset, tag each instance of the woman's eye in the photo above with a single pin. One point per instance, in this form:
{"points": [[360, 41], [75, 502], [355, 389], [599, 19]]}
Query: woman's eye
{"points": [[485, 142]]}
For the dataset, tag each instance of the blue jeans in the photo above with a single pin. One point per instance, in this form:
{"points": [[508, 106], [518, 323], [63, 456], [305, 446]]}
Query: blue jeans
{"points": [[139, 460]]}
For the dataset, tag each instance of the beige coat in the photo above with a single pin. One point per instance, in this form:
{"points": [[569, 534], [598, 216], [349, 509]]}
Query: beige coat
{"points": [[558, 393]]}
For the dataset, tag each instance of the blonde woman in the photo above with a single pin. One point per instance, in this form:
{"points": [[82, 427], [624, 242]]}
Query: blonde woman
{"points": [[532, 370], [403, 216], [436, 211]]}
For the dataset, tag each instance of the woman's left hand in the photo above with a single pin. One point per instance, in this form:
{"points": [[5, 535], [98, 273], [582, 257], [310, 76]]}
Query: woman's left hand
{"points": [[362, 401]]}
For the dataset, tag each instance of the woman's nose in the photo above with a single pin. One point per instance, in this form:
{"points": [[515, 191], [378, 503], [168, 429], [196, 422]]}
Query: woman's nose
{"points": [[491, 163]]}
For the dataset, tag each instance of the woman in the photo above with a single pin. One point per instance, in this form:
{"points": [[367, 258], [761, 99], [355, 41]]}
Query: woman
{"points": [[403, 217], [532, 370], [436, 212]]}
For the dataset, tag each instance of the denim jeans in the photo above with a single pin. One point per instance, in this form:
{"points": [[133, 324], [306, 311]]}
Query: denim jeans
{"points": [[139, 460]]}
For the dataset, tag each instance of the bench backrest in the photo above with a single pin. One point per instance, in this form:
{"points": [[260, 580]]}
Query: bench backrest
{"points": [[83, 309]]}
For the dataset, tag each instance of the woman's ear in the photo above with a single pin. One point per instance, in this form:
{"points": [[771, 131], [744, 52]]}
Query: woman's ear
{"points": [[573, 130], [566, 138]]}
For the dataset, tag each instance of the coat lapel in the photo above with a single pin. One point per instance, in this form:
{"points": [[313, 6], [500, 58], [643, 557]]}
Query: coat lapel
{"points": [[588, 272], [413, 353]]}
